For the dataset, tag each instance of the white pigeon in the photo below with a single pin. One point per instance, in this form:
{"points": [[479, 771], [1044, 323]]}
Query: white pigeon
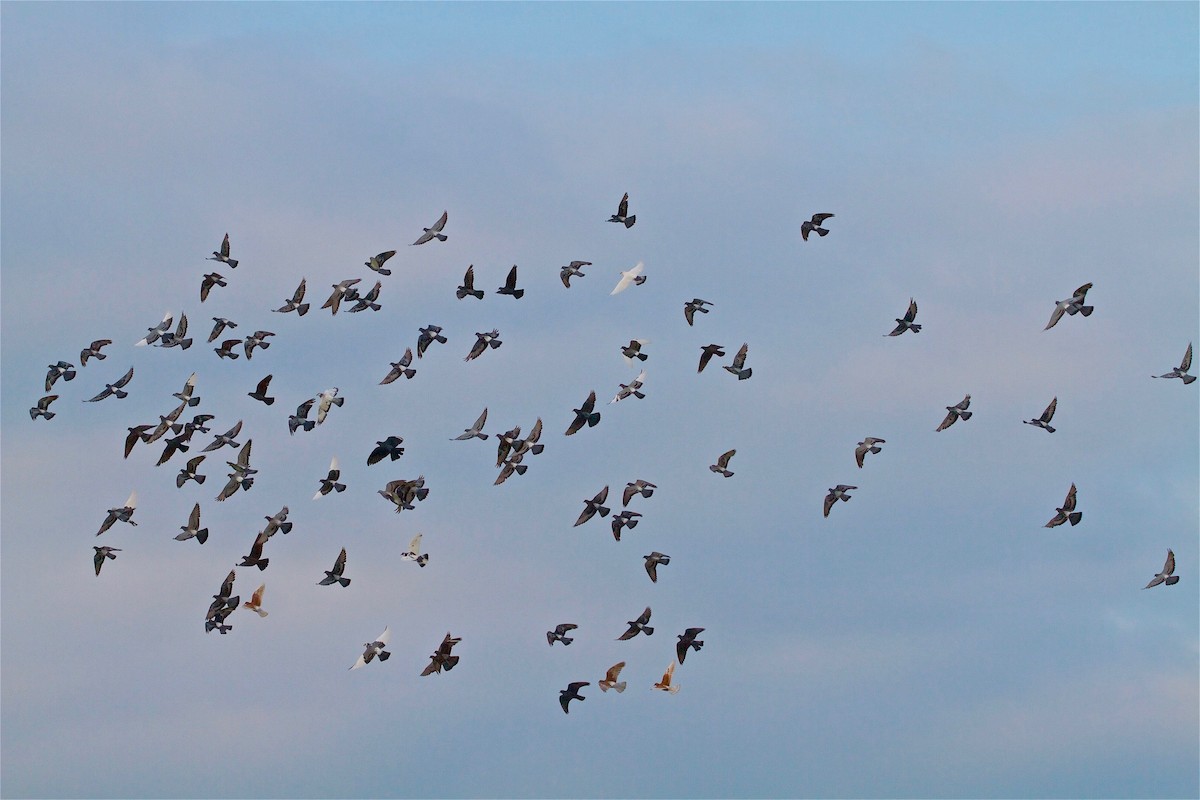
{"points": [[373, 649], [631, 389], [629, 276], [327, 399], [414, 552], [155, 333]]}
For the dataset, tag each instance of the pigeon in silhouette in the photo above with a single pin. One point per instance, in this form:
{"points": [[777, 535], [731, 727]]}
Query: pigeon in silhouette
{"points": [[637, 626], [475, 431], [334, 575], [565, 696], [1043, 421], [260, 391], [210, 280], [117, 388], [630, 276], [93, 351], [954, 412], [593, 507], [122, 514], [1072, 305], [296, 303], [1067, 513], [441, 658], [572, 270], [610, 678], [906, 322], [652, 561], [639, 486], [413, 553], [222, 255], [1167, 575], [510, 285], [868, 445], [626, 519], [389, 448], [330, 482], [559, 634], [42, 409], [692, 306], [585, 414], [226, 349], [814, 225], [256, 339], [722, 465], [738, 367], [373, 649], [399, 368], [687, 640], [622, 215], [376, 262], [428, 336], [219, 326], [110, 552], [838, 492], [188, 473], [468, 285], [706, 354], [255, 559], [193, 530], [434, 231], [482, 342], [1181, 371]]}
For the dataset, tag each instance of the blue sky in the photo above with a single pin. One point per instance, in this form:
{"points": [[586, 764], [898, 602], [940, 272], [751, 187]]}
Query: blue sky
{"points": [[930, 638]]}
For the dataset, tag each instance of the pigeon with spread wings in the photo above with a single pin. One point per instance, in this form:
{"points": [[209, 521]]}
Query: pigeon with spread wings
{"points": [[585, 414], [637, 626], [559, 634], [652, 562], [1067, 513], [1072, 305], [622, 216], [376, 262], [193, 530], [610, 678], [468, 285], [475, 431], [722, 465], [955, 412], [222, 255], [434, 231], [1167, 575], [110, 552], [814, 225], [374, 648], [1043, 421], [122, 514], [906, 323], [1181, 371], [116, 388], [839, 492], [633, 276], [868, 445], [334, 575], [296, 303]]}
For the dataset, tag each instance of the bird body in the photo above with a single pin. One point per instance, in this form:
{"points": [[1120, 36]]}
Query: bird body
{"points": [[585, 414], [510, 285], [637, 626], [109, 552], [116, 388], [637, 487], [468, 285], [687, 640], [389, 448], [41, 409], [691, 307], [565, 696], [572, 270], [428, 335]]}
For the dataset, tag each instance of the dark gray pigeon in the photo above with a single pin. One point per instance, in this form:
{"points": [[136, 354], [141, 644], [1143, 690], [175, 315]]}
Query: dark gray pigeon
{"points": [[334, 575], [368, 300], [219, 326], [428, 336], [222, 255], [193, 530], [706, 354], [565, 696], [1067, 513], [42, 408], [188, 473], [687, 640], [593, 507], [637, 626], [260, 391], [228, 438], [400, 367], [585, 414], [626, 519], [1181, 371], [559, 634], [93, 351], [434, 231], [109, 552], [510, 285], [475, 431], [376, 262], [622, 216], [341, 291], [906, 322], [116, 388], [839, 492], [1072, 305], [572, 270], [814, 225], [954, 412], [867, 445], [692, 306], [296, 303], [60, 370], [389, 448], [468, 285], [153, 334], [639, 486], [722, 465], [210, 280], [482, 342], [1043, 421], [652, 562]]}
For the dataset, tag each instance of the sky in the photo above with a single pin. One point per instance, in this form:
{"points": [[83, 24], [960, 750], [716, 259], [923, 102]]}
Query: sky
{"points": [[930, 638]]}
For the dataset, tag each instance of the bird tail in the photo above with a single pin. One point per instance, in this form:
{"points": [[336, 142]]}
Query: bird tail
{"points": [[262, 564], [261, 613], [965, 414], [441, 237], [343, 581], [285, 527], [593, 419], [384, 655], [268, 400], [1049, 429], [1186, 379], [202, 535], [1171, 581], [822, 231], [1086, 310], [647, 631], [518, 293], [302, 309], [620, 687], [232, 263], [1074, 517], [50, 414], [746, 373], [566, 641], [915, 328], [630, 220]]}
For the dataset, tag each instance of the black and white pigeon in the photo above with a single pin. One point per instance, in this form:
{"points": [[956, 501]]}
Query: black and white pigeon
{"points": [[153, 334], [334, 575], [188, 473], [427, 336], [442, 658], [219, 326], [622, 216], [368, 300], [110, 552], [62, 370], [222, 255], [175, 444], [93, 351], [468, 285], [565, 696], [634, 350], [626, 519], [341, 291], [639, 486], [839, 492], [1043, 421], [559, 634], [630, 277], [193, 530], [389, 448], [906, 323], [226, 349], [706, 354], [400, 367], [688, 641], [228, 438], [256, 339], [296, 303], [42, 408], [652, 561], [376, 262], [177, 338], [475, 431], [482, 342], [1072, 305], [632, 389], [242, 475], [1067, 513], [585, 415], [260, 391], [373, 649], [1167, 575], [637, 626], [434, 231], [210, 280], [814, 224], [187, 394], [954, 412], [330, 482], [510, 285], [722, 465], [117, 388], [122, 514], [572, 270], [738, 367], [692, 306], [593, 507], [1181, 371], [413, 553], [327, 400], [868, 445]]}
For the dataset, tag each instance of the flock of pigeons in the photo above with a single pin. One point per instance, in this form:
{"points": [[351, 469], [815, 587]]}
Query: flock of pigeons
{"points": [[512, 447]]}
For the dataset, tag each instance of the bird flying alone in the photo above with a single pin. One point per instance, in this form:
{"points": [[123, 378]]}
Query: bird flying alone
{"points": [[559, 634], [1167, 575], [222, 255], [42, 409], [1072, 305], [434, 231], [838, 492], [622, 216], [906, 323], [956, 411], [814, 225], [1067, 513], [1043, 421], [1180, 371], [475, 431], [585, 415], [632, 276], [722, 465]]}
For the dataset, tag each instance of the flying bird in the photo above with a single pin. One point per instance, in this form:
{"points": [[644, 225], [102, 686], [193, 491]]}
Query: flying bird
{"points": [[692, 306], [241, 477], [219, 326], [296, 303], [468, 285], [1180, 371], [368, 300], [110, 552], [738, 367], [413, 553], [114, 388], [435, 231], [257, 339], [186, 394], [559, 634], [475, 431], [229, 437], [226, 349], [565, 696], [334, 575], [255, 601], [688, 640], [389, 448], [838, 492], [906, 323], [136, 433], [327, 400], [404, 493], [122, 514], [631, 389], [626, 519], [441, 658], [93, 351], [593, 507], [222, 255], [376, 262], [42, 409], [188, 473], [343, 290], [868, 445], [637, 626], [572, 270], [706, 354], [510, 285], [634, 350], [210, 280], [954, 412], [428, 336], [399, 368], [622, 215], [276, 523], [153, 334], [330, 482], [260, 391], [193, 530], [255, 559], [722, 465], [630, 276], [610, 678], [373, 649], [652, 561], [814, 224], [1043, 421], [482, 342], [665, 684], [1072, 305], [585, 414], [1067, 513], [639, 486], [60, 370], [300, 418], [1167, 575], [179, 337]]}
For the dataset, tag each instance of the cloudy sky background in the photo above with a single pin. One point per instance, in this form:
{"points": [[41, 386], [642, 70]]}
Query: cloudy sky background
{"points": [[930, 638]]}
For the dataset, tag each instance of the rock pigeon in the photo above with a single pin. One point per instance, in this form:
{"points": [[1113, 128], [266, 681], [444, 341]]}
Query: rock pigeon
{"points": [[687, 640], [373, 649], [593, 507], [241, 477], [399, 368], [738, 367], [1167, 575], [572, 270], [559, 634], [256, 339], [334, 575], [610, 678], [219, 326], [193, 530], [295, 304], [300, 418], [188, 473], [722, 465], [42, 409], [179, 337], [226, 349], [468, 285], [122, 514], [482, 342], [229, 438], [692, 306], [93, 351], [1067, 513], [413, 553], [814, 224], [110, 552], [222, 255], [434, 231], [630, 276], [376, 262], [585, 414], [260, 391], [1072, 305], [404, 493], [114, 388], [626, 519], [368, 300], [60, 370], [906, 322], [428, 336], [153, 334], [868, 445], [637, 626], [255, 601], [475, 431], [389, 448], [565, 696], [634, 350], [1043, 421], [954, 412], [510, 285], [441, 658], [255, 559], [342, 290], [210, 280], [706, 354], [838, 492], [639, 486], [330, 482], [622, 215], [1181, 371], [652, 561]]}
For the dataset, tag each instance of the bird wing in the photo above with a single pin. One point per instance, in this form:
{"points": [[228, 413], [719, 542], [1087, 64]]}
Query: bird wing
{"points": [[261, 389], [1055, 316], [1069, 503], [1081, 293], [414, 546], [630, 490], [589, 404], [194, 518], [1186, 364], [739, 361], [817, 219], [623, 206], [231, 486], [830, 499], [614, 671], [951, 416], [510, 282], [1048, 414], [469, 278], [723, 461], [860, 453], [911, 314], [124, 379], [243, 459], [1169, 566], [339, 565], [385, 637], [256, 599]]}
